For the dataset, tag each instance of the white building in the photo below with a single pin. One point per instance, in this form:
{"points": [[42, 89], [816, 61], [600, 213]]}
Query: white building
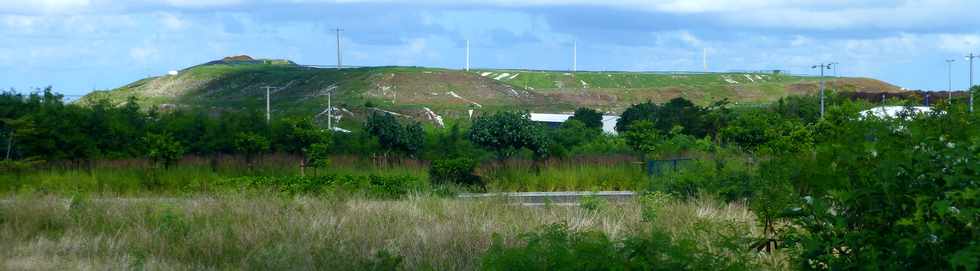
{"points": [[895, 111], [555, 120]]}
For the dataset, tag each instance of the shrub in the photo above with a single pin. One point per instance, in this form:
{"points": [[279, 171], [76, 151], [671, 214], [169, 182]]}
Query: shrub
{"points": [[163, 149], [509, 132], [557, 248], [588, 116], [394, 136], [593, 203], [725, 177], [457, 171], [378, 186]]}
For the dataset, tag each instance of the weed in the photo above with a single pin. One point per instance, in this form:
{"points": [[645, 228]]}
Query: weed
{"points": [[593, 203]]}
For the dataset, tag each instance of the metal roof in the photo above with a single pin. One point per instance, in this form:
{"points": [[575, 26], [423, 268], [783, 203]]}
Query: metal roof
{"points": [[608, 121]]}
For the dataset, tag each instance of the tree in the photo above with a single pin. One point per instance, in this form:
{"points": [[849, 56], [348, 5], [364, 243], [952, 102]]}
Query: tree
{"points": [[642, 137], [590, 117], [293, 135], [571, 134], [508, 132], [637, 112], [676, 112], [163, 149], [393, 136], [251, 144]]}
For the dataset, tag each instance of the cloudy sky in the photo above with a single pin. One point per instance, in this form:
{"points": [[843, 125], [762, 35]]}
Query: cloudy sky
{"points": [[80, 45]]}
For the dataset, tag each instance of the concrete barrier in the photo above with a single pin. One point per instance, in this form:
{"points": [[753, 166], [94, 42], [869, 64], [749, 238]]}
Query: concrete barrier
{"points": [[558, 198]]}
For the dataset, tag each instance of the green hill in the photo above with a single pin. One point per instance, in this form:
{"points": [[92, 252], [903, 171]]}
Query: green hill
{"points": [[424, 93]]}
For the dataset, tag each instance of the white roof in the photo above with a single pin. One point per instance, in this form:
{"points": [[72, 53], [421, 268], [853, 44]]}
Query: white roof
{"points": [[342, 130], [608, 122], [550, 117], [894, 111]]}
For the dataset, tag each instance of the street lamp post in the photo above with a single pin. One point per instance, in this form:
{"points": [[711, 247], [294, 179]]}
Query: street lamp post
{"points": [[970, 57], [949, 74], [268, 106], [822, 103]]}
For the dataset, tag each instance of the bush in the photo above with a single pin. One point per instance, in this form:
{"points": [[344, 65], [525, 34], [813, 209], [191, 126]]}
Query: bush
{"points": [[557, 248], [394, 186], [509, 132], [729, 180], [456, 171]]}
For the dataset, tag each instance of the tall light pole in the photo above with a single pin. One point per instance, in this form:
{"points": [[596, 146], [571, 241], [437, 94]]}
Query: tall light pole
{"points": [[822, 68], [339, 63], [467, 55], [329, 111], [574, 56], [268, 107], [835, 64], [704, 58], [971, 57], [949, 74]]}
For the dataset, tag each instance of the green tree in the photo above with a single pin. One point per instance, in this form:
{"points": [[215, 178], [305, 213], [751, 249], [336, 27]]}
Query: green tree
{"points": [[590, 117], [571, 134], [643, 137], [508, 132], [638, 112], [676, 112], [393, 136], [293, 135], [251, 144], [163, 149]]}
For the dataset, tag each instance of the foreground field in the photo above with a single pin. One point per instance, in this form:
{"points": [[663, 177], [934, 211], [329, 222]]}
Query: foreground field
{"points": [[267, 232]]}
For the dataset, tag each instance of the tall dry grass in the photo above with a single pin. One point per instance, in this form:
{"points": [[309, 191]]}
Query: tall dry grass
{"points": [[266, 232]]}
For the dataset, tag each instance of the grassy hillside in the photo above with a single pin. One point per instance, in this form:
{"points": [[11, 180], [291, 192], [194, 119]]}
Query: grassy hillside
{"points": [[424, 93]]}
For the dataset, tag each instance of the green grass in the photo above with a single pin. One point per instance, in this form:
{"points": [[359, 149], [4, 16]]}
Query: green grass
{"points": [[239, 86], [546, 80], [565, 176], [197, 175]]}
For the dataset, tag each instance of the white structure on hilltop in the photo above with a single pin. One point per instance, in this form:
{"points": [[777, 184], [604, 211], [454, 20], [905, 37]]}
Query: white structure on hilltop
{"points": [[895, 111], [555, 120]]}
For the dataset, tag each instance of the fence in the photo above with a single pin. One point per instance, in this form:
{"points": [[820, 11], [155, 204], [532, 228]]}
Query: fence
{"points": [[656, 167]]}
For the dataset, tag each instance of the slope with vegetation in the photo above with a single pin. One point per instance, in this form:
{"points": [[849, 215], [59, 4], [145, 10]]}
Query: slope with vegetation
{"points": [[826, 192], [442, 94]]}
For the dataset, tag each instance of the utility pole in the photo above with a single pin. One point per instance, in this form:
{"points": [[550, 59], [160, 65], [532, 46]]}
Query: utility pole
{"points": [[467, 55], [574, 56], [971, 57], [704, 59], [10, 142], [329, 111], [949, 74], [835, 64], [822, 68], [339, 62], [268, 107]]}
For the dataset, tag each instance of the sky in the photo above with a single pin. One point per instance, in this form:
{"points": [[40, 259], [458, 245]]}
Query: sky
{"points": [[80, 45]]}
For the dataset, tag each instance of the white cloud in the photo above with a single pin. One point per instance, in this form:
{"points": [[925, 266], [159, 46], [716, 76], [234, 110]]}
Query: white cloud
{"points": [[203, 3], [957, 43], [43, 6], [171, 21], [144, 54]]}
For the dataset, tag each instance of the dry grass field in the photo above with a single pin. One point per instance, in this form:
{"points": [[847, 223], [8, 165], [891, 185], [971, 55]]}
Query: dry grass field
{"points": [[269, 232]]}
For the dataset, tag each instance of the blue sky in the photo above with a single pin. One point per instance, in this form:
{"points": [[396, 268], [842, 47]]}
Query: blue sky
{"points": [[80, 45]]}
